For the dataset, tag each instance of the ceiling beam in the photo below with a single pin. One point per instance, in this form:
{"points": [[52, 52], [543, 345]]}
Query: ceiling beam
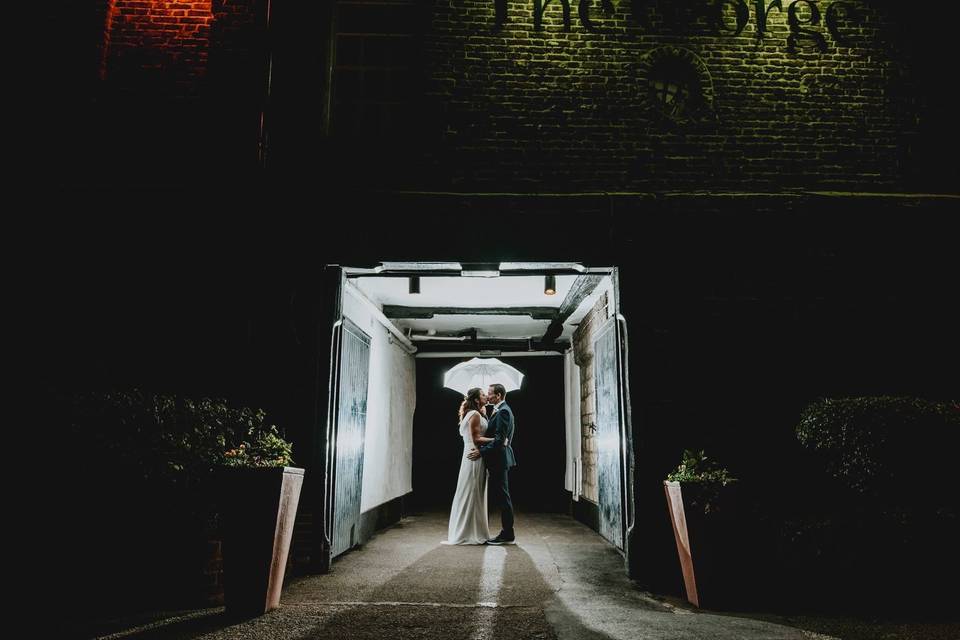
{"points": [[580, 291], [489, 344], [426, 313], [456, 273]]}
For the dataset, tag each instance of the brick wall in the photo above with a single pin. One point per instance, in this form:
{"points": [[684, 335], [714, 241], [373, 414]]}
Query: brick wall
{"points": [[559, 109], [170, 47], [664, 97], [238, 45], [158, 46], [166, 92], [213, 574], [583, 356], [103, 16]]}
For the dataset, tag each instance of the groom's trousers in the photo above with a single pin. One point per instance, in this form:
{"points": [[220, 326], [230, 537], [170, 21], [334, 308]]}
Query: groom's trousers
{"points": [[500, 492]]}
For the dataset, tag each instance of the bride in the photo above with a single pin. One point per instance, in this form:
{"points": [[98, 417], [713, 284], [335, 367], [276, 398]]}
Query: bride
{"points": [[468, 514]]}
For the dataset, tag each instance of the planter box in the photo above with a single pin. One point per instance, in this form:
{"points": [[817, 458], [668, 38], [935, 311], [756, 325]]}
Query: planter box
{"points": [[678, 519], [711, 548], [259, 509]]}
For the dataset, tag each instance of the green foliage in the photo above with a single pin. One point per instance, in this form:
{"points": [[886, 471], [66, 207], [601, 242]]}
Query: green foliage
{"points": [[880, 510], [173, 440], [696, 467], [703, 480], [270, 450], [872, 443]]}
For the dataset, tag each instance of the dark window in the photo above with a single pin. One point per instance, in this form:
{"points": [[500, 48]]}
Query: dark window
{"points": [[375, 73], [673, 85], [671, 95]]}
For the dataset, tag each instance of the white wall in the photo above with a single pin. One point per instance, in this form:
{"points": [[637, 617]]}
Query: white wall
{"points": [[571, 392], [391, 399]]}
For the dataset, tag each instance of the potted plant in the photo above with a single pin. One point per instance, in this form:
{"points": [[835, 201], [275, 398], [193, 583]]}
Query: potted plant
{"points": [[161, 480], [158, 479], [700, 513], [260, 492]]}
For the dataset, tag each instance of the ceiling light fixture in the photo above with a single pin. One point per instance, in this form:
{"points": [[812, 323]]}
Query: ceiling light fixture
{"points": [[550, 285]]}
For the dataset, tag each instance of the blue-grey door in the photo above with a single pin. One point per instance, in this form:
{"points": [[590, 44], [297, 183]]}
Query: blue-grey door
{"points": [[610, 433], [351, 420]]}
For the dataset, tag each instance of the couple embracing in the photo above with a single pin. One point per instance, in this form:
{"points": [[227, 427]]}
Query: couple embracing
{"points": [[486, 451]]}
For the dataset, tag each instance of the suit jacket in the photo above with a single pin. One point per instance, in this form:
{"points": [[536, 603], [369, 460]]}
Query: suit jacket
{"points": [[500, 427]]}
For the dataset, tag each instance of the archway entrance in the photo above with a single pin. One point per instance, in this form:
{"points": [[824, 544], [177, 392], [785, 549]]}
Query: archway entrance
{"points": [[390, 432]]}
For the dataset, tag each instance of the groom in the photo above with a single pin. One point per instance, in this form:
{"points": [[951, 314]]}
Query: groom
{"points": [[499, 458]]}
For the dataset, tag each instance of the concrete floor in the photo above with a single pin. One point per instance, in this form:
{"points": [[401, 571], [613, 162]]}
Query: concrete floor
{"points": [[560, 581]]}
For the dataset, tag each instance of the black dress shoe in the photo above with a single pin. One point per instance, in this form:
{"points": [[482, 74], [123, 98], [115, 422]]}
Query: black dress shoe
{"points": [[501, 540]]}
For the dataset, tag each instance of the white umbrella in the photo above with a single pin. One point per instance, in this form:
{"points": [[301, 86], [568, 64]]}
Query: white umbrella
{"points": [[482, 372]]}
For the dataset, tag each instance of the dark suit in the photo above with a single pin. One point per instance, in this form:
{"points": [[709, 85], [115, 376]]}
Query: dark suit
{"points": [[500, 459]]}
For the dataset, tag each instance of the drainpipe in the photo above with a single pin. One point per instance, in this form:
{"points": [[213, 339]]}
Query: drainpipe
{"points": [[262, 135]]}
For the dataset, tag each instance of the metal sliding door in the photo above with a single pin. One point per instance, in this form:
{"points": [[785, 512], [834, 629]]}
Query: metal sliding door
{"points": [[610, 434], [350, 410]]}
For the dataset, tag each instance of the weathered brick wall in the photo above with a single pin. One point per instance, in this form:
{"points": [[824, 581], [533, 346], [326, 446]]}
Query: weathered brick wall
{"points": [[171, 93], [169, 47], [158, 46], [583, 356], [103, 13], [238, 45], [555, 109], [447, 100]]}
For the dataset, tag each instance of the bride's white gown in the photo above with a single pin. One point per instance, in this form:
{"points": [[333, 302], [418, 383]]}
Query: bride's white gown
{"points": [[468, 514]]}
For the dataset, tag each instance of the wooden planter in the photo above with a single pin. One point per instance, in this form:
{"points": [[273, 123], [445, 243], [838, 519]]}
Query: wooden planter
{"points": [[259, 509], [712, 552], [678, 519]]}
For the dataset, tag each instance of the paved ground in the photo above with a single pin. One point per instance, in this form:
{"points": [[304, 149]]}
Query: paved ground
{"points": [[561, 581]]}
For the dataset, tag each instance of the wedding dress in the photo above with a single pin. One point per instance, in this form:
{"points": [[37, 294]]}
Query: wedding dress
{"points": [[468, 513]]}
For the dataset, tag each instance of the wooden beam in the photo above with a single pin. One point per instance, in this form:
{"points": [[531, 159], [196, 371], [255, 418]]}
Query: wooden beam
{"points": [[489, 344], [425, 313], [580, 291]]}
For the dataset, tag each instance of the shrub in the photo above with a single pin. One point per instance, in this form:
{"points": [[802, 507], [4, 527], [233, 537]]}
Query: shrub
{"points": [[137, 469], [171, 440], [873, 445], [886, 517]]}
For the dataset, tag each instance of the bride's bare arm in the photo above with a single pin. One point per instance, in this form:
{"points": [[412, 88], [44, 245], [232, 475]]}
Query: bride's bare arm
{"points": [[477, 432]]}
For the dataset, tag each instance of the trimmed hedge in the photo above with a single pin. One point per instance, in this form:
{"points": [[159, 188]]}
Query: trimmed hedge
{"points": [[172, 440], [874, 446], [878, 524]]}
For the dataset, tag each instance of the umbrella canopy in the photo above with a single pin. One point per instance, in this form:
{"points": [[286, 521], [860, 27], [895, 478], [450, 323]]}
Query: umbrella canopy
{"points": [[482, 372]]}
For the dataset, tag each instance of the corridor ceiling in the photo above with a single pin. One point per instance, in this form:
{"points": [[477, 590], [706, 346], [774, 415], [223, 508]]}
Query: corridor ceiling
{"points": [[508, 307]]}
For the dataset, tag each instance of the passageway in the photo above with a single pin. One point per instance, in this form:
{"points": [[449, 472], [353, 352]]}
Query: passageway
{"points": [[392, 432], [560, 581]]}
